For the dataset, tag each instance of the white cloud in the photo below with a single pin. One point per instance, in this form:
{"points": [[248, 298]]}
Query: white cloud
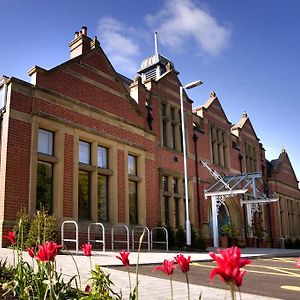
{"points": [[181, 21], [120, 48]]}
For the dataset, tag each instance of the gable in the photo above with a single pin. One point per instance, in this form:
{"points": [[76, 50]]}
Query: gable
{"points": [[283, 170], [213, 107], [91, 79], [248, 129]]}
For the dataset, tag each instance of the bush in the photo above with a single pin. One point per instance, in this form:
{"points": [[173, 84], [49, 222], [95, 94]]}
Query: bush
{"points": [[171, 236], [200, 242], [289, 243], [180, 237], [22, 227], [42, 229], [297, 243]]}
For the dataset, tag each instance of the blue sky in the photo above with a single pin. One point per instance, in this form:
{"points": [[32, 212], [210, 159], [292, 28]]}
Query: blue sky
{"points": [[247, 51]]}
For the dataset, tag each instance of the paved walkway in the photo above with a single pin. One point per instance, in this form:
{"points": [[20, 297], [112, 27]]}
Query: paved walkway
{"points": [[150, 287]]}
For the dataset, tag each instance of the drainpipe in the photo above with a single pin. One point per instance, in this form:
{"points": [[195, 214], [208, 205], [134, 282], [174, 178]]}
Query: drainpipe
{"points": [[195, 139]]}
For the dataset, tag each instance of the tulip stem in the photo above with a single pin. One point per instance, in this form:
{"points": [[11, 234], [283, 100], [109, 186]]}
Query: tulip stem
{"points": [[129, 279], [232, 291], [76, 266], [188, 286], [171, 286]]}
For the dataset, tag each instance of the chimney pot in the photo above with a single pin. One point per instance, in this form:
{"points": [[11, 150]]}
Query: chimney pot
{"points": [[76, 34], [84, 30]]}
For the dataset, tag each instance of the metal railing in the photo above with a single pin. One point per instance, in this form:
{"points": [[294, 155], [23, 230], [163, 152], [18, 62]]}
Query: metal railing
{"points": [[166, 242], [97, 240], [119, 241], [76, 240], [148, 236]]}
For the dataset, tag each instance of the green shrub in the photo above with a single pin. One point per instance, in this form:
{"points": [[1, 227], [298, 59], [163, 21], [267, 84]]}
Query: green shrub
{"points": [[289, 243], [180, 237], [42, 229], [297, 243], [22, 228], [193, 236], [171, 237], [200, 242]]}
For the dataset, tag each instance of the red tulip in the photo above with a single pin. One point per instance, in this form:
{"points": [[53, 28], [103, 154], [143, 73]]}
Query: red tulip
{"points": [[167, 267], [87, 249], [11, 236], [31, 251], [47, 252], [229, 262], [183, 262], [298, 263], [124, 257]]}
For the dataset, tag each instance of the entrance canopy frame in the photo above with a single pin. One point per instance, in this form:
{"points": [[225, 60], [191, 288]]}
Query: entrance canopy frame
{"points": [[233, 185]]}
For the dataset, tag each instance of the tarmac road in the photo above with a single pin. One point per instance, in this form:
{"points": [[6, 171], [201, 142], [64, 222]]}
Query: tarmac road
{"points": [[271, 277]]}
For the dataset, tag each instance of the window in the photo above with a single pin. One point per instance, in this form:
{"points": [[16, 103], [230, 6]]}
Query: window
{"points": [[164, 133], [170, 127], [3, 96], [173, 136], [133, 189], [133, 205], [132, 165], [165, 183], [44, 186], [102, 198], [250, 158], [164, 110], [166, 213], [177, 221], [102, 157], [175, 185], [45, 166], [84, 152], [45, 142], [218, 141], [83, 195], [172, 201]]}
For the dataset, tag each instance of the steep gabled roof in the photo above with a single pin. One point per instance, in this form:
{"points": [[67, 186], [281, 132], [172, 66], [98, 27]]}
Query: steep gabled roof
{"points": [[241, 123], [174, 73], [275, 166], [212, 100]]}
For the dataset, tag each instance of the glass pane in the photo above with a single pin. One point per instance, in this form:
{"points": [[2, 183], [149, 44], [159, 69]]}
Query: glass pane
{"points": [[102, 157], [167, 214], [83, 195], [44, 186], [163, 110], [175, 185], [132, 165], [177, 222], [165, 183], [45, 142], [102, 198], [173, 136], [164, 133], [133, 207], [2, 94], [84, 152], [172, 114]]}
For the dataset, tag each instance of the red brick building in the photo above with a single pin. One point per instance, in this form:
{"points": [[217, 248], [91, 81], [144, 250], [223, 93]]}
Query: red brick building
{"points": [[89, 144]]}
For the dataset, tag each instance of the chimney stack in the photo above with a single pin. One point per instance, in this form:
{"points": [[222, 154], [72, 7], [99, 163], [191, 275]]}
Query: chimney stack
{"points": [[82, 43]]}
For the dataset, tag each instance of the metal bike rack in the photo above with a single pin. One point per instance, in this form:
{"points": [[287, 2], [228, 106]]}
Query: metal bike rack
{"points": [[76, 240], [120, 241], [148, 236], [160, 242], [97, 240]]}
